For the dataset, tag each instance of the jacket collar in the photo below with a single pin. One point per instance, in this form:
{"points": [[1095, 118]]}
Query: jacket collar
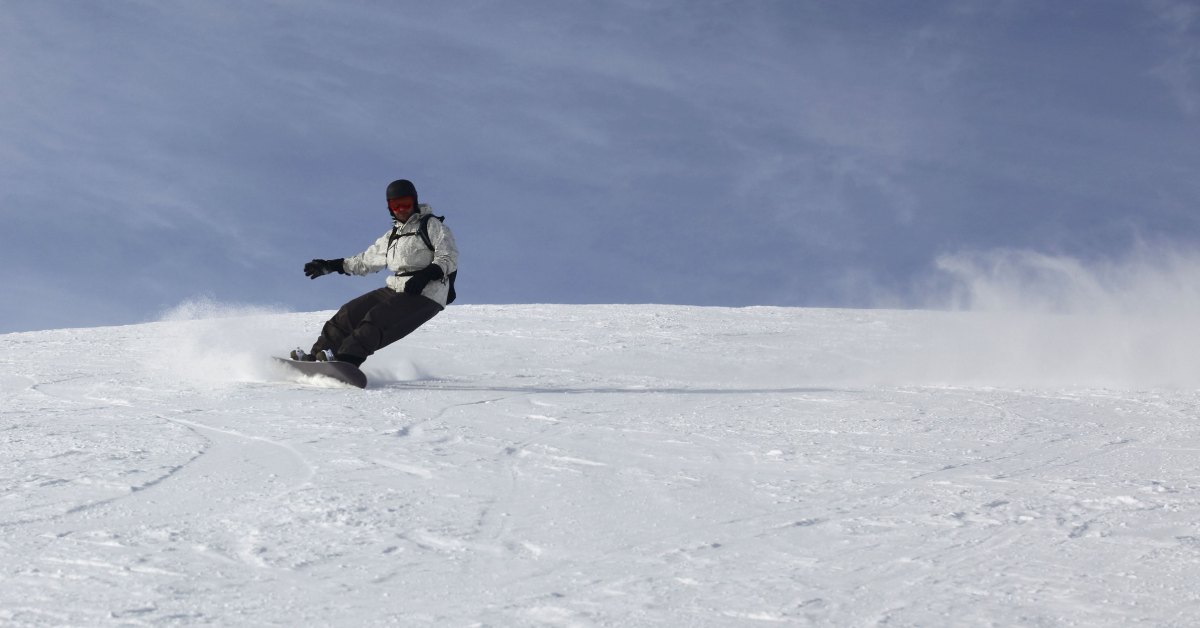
{"points": [[422, 209]]}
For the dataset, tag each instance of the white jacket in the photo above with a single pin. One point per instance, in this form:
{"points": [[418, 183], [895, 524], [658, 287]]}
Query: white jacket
{"points": [[402, 251]]}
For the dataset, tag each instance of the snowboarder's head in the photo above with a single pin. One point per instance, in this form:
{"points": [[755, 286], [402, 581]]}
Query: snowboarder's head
{"points": [[402, 199]]}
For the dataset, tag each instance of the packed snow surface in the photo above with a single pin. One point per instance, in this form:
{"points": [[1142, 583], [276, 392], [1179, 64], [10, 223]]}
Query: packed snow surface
{"points": [[603, 466]]}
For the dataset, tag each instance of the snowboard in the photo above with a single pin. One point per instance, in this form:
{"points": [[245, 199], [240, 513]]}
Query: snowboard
{"points": [[342, 371]]}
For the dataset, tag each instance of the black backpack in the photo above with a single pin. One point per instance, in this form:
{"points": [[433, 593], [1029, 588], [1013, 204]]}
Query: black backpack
{"points": [[424, 231]]}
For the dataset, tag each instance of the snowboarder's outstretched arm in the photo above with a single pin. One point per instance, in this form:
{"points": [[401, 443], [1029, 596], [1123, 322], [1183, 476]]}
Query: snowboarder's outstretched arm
{"points": [[372, 260]]}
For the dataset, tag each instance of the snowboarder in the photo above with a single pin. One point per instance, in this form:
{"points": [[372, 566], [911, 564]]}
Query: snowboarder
{"points": [[420, 252]]}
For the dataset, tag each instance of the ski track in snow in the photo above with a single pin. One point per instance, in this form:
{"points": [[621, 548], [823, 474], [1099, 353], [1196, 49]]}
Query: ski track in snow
{"points": [[582, 466]]}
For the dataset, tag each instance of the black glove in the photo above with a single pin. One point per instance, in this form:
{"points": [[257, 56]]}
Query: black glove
{"points": [[417, 282], [319, 267]]}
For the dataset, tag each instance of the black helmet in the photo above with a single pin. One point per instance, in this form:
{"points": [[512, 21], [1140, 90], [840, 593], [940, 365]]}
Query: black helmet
{"points": [[402, 187]]}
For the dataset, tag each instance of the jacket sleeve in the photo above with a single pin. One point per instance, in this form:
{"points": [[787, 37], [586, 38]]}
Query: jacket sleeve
{"points": [[445, 250], [372, 260]]}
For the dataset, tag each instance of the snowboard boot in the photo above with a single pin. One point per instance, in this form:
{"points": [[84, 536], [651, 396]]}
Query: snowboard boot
{"points": [[300, 355], [327, 355]]}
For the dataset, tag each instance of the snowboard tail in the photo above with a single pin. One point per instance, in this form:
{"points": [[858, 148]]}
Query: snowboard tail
{"points": [[342, 371]]}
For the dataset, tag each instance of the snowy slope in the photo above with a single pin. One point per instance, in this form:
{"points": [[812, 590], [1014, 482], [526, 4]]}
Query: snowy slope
{"points": [[600, 466]]}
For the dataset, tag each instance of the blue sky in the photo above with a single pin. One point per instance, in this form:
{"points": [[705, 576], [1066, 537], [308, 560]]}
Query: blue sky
{"points": [[701, 152]]}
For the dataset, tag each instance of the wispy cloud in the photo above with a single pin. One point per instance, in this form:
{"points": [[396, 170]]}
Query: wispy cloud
{"points": [[1179, 70]]}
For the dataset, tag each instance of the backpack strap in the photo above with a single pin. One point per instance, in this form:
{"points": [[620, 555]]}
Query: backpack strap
{"points": [[424, 230]]}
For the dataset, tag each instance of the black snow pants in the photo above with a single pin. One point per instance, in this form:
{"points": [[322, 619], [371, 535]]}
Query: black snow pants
{"points": [[373, 321]]}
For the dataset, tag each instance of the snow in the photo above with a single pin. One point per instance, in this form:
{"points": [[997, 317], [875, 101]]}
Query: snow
{"points": [[603, 466]]}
